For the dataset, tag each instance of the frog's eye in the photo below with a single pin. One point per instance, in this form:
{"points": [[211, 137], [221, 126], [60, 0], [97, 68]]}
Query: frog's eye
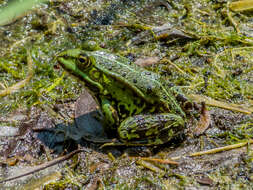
{"points": [[83, 61]]}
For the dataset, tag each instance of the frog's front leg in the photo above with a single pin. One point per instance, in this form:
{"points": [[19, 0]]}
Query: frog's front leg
{"points": [[111, 119], [150, 129]]}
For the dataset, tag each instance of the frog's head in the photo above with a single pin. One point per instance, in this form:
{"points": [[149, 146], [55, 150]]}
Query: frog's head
{"points": [[74, 60], [81, 63]]}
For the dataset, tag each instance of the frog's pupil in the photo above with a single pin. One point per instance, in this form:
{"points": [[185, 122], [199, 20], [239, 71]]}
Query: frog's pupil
{"points": [[82, 60]]}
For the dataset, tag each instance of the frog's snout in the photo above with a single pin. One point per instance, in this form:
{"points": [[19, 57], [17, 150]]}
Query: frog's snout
{"points": [[66, 62]]}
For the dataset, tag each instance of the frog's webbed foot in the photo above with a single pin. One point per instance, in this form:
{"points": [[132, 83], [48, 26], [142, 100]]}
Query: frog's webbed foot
{"points": [[118, 143], [111, 144], [115, 142]]}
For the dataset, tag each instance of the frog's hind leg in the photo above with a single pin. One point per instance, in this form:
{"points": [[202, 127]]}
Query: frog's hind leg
{"points": [[150, 129]]}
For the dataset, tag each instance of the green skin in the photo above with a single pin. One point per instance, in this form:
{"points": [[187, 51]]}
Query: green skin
{"points": [[134, 101]]}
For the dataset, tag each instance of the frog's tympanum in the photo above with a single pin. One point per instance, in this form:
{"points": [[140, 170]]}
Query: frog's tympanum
{"points": [[137, 103]]}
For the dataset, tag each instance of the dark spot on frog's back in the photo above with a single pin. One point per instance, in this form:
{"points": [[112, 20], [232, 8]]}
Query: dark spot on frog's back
{"points": [[108, 65], [134, 111], [138, 102], [123, 74], [123, 110], [165, 97], [149, 89], [134, 81]]}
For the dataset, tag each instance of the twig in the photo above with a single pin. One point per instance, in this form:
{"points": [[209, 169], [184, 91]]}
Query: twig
{"points": [[45, 165], [211, 102], [220, 149], [158, 160], [150, 166], [174, 65], [215, 150], [230, 18]]}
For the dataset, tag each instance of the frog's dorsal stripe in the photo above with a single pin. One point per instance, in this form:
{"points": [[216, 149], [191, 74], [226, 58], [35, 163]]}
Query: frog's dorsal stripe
{"points": [[135, 78]]}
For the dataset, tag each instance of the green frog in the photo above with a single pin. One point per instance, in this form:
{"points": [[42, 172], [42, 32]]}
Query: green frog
{"points": [[138, 105]]}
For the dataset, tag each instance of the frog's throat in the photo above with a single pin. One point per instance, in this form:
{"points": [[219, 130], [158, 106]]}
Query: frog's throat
{"points": [[71, 66]]}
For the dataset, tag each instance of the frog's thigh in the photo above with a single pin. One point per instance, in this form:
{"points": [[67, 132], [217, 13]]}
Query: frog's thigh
{"points": [[150, 129], [110, 114]]}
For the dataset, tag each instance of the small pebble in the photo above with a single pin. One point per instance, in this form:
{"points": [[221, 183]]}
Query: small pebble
{"points": [[7, 131]]}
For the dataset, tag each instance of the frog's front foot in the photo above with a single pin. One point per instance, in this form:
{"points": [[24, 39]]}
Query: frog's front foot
{"points": [[149, 129]]}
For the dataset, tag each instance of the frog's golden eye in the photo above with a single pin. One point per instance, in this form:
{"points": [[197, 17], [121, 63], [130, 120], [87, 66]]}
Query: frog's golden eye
{"points": [[83, 62]]}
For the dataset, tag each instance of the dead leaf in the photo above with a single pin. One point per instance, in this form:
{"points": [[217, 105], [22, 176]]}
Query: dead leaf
{"points": [[205, 180], [85, 104], [12, 161], [143, 62], [101, 167], [94, 184], [204, 121]]}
